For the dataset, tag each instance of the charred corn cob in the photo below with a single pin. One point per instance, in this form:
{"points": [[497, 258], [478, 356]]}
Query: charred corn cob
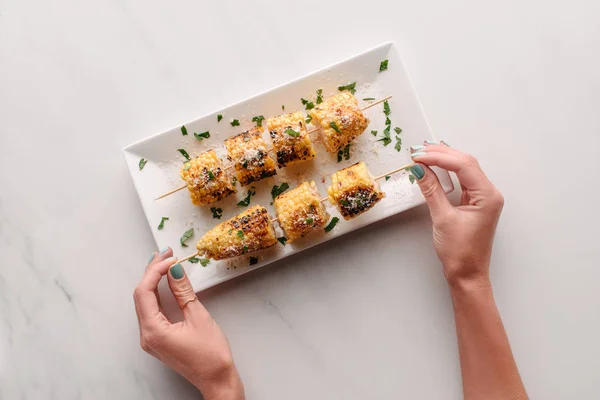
{"points": [[206, 180], [341, 120], [290, 139], [249, 153], [300, 211], [249, 231], [353, 190]]}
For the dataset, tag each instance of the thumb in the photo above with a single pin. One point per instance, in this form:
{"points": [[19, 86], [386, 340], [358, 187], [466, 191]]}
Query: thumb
{"points": [[181, 287], [432, 190]]}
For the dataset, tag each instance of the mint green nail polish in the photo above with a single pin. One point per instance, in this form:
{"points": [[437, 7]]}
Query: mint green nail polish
{"points": [[445, 144], [417, 147], [177, 271], [431, 142], [151, 258], [163, 251], [417, 171], [418, 153]]}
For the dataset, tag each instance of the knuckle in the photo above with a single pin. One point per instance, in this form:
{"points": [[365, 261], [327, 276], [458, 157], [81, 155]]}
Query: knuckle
{"points": [[144, 345], [470, 160], [183, 288], [136, 293], [428, 188], [498, 199], [149, 340]]}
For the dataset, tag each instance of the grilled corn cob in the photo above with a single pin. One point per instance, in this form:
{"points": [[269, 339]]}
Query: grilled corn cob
{"points": [[206, 180], [341, 120], [290, 139], [353, 190], [249, 153], [249, 231], [300, 211]]}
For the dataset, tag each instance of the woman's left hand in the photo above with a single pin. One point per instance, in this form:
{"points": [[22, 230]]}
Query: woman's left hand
{"points": [[196, 347]]}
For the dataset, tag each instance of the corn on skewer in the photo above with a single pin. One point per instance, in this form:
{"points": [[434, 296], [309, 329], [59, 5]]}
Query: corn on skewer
{"points": [[270, 149], [268, 234]]}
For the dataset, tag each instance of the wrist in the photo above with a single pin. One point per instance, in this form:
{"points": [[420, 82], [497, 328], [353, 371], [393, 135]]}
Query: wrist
{"points": [[467, 276], [226, 385]]}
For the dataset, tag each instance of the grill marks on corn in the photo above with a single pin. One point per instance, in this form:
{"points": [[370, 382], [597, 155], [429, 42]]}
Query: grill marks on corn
{"points": [[224, 240], [343, 111], [207, 181], [354, 191], [248, 151], [290, 149]]}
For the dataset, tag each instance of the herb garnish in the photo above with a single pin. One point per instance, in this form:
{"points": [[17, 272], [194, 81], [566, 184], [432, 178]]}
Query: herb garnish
{"points": [[211, 176], [334, 126], [246, 201], [202, 135], [398, 130], [351, 87], [235, 122], [319, 96], [185, 154], [282, 240], [411, 178], [387, 177], [309, 220], [219, 117], [203, 261], [245, 164], [253, 260], [240, 234], [309, 105], [142, 163], [188, 234], [374, 133], [162, 223], [282, 107], [216, 212], [386, 137], [398, 145], [308, 118], [347, 151], [183, 130], [383, 66], [258, 119], [369, 98], [386, 108], [292, 132], [331, 224], [277, 190]]}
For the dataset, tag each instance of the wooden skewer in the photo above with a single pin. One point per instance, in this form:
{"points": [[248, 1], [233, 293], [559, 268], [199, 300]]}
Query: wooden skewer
{"points": [[313, 130]]}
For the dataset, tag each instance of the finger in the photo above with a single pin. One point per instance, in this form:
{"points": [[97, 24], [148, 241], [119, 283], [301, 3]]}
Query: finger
{"points": [[146, 300], [160, 256], [463, 165], [183, 291], [434, 146], [432, 190]]}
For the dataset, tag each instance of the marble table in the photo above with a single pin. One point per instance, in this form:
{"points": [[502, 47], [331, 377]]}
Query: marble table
{"points": [[515, 83]]}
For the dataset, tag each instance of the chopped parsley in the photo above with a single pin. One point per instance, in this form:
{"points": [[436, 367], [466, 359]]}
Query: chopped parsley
{"points": [[383, 66], [411, 178], [162, 223], [319, 96], [347, 151], [387, 177], [235, 122], [309, 221], [344, 202], [211, 176], [351, 87], [398, 130], [244, 249], [332, 224], [202, 135], [309, 105], [245, 164], [398, 145], [386, 137], [183, 130], [282, 240], [282, 107], [185, 154], [187, 235], [369, 98], [246, 201], [258, 119], [253, 260], [292, 132], [219, 117], [216, 212], [386, 108], [374, 133], [335, 127], [308, 119], [340, 154], [277, 190], [240, 234], [203, 261], [142, 163], [388, 121]]}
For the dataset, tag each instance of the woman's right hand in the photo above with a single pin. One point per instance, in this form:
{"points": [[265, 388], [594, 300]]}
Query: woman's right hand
{"points": [[462, 235]]}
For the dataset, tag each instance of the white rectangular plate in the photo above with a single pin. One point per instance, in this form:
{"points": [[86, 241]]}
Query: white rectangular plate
{"points": [[161, 173]]}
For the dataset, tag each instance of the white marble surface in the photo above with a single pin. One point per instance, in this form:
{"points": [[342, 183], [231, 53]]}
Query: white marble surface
{"points": [[517, 83]]}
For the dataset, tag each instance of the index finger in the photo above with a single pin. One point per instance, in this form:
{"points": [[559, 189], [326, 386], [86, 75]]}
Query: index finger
{"points": [[463, 165]]}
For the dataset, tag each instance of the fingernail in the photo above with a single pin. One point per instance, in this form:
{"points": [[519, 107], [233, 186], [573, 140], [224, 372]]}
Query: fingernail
{"points": [[417, 154], [430, 142], [177, 271], [445, 144], [163, 251], [151, 258], [417, 147], [417, 171]]}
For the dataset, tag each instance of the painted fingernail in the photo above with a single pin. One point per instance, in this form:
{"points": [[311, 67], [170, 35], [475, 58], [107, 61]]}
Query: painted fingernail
{"points": [[430, 142], [444, 143], [417, 154], [417, 147], [177, 271], [163, 251], [417, 171], [151, 258]]}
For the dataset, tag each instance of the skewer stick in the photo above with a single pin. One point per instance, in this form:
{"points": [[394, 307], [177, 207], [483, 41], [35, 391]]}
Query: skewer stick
{"points": [[395, 171], [188, 257], [313, 130]]}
